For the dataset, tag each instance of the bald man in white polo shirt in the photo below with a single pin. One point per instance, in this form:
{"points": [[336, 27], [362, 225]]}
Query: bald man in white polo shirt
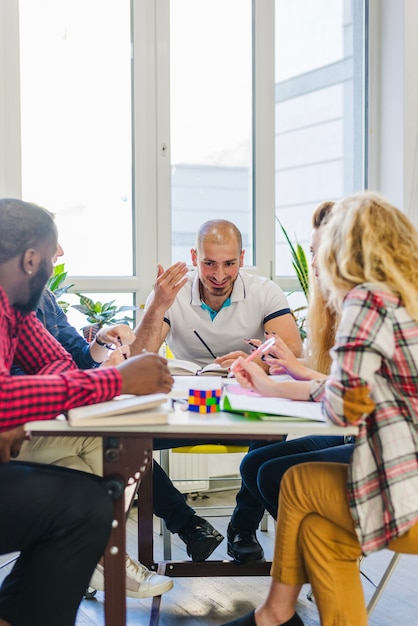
{"points": [[225, 305]]}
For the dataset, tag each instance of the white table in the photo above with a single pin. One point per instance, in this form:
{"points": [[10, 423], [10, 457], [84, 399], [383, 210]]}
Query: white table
{"points": [[127, 458]]}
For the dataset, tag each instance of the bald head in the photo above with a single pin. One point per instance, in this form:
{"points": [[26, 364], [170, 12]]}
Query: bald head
{"points": [[218, 232]]}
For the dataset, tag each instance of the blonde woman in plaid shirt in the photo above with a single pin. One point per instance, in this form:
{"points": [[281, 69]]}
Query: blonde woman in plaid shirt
{"points": [[368, 272]]}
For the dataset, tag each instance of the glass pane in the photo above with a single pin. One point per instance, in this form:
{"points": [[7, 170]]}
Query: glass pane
{"points": [[319, 111], [308, 36], [211, 113], [76, 126]]}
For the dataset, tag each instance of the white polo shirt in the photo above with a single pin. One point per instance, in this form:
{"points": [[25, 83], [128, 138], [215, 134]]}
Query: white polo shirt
{"points": [[254, 301]]}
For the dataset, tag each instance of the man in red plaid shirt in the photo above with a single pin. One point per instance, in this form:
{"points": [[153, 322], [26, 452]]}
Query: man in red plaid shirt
{"points": [[36, 520]]}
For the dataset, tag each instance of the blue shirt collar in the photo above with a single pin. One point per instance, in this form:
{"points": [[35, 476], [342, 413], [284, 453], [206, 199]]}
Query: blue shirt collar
{"points": [[212, 312]]}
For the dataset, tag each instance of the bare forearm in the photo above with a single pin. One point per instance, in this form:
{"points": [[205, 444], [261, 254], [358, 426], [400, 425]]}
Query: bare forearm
{"points": [[98, 353], [149, 332], [300, 371], [291, 389]]}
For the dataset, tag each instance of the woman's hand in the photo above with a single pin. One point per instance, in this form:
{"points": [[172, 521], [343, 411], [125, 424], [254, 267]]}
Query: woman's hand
{"points": [[252, 376], [284, 361]]}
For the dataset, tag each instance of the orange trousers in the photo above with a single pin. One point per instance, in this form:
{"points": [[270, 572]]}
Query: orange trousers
{"points": [[316, 542]]}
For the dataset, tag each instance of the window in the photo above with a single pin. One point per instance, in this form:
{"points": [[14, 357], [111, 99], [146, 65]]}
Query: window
{"points": [[319, 111], [211, 118], [75, 81], [140, 120]]}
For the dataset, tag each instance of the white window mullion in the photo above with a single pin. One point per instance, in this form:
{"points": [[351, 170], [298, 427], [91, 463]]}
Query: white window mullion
{"points": [[10, 155], [144, 144], [163, 147], [263, 138]]}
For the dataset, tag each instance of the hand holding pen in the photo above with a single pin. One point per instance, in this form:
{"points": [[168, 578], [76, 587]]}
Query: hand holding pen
{"points": [[261, 349], [257, 345], [116, 339]]}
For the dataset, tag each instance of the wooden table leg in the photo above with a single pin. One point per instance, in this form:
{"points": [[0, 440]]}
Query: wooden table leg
{"points": [[115, 601], [145, 521], [125, 461]]}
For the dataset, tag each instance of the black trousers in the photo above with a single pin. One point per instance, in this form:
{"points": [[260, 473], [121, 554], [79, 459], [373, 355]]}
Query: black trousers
{"points": [[171, 505], [59, 520]]}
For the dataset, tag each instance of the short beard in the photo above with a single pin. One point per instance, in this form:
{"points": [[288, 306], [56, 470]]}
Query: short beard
{"points": [[36, 288]]}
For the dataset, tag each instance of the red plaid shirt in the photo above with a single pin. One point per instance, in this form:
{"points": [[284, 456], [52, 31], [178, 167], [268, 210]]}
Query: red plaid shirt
{"points": [[53, 383]]}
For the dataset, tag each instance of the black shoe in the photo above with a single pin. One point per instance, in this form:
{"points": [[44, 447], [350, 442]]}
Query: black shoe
{"points": [[246, 620], [200, 537], [243, 546], [249, 620]]}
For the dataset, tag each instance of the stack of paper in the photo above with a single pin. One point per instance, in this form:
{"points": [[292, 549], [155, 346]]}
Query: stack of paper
{"points": [[125, 410]]}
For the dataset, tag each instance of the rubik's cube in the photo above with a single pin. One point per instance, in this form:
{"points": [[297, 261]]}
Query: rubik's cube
{"points": [[204, 400]]}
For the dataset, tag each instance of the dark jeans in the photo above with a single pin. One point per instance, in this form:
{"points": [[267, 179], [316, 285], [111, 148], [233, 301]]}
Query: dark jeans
{"points": [[171, 505], [59, 520], [262, 470]]}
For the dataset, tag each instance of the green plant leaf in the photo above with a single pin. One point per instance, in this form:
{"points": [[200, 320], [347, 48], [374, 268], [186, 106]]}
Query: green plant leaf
{"points": [[299, 261], [55, 285], [102, 313], [300, 265]]}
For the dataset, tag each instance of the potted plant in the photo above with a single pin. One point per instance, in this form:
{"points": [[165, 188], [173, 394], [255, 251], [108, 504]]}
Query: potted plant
{"points": [[101, 314], [55, 285]]}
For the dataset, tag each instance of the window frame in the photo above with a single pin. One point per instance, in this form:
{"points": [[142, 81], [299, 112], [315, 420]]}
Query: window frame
{"points": [[390, 113]]}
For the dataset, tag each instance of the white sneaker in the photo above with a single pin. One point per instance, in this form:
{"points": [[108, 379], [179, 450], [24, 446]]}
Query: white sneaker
{"points": [[140, 581]]}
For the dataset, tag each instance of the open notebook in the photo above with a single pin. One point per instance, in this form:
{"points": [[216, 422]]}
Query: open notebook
{"points": [[179, 367], [125, 410], [239, 400]]}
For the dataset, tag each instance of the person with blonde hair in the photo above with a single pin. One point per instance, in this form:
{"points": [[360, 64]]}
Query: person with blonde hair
{"points": [[368, 272], [321, 319], [262, 469]]}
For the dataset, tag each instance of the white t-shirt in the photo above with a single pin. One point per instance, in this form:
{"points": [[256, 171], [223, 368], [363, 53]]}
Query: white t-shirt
{"points": [[254, 301]]}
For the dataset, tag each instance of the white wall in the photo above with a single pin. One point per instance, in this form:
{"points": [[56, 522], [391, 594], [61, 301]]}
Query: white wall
{"points": [[393, 102]]}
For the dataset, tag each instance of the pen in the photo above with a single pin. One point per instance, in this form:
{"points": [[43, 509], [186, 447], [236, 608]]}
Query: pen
{"points": [[204, 343], [259, 350], [254, 345], [121, 344]]}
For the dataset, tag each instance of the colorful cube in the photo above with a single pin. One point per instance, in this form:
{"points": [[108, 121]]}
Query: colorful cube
{"points": [[204, 400]]}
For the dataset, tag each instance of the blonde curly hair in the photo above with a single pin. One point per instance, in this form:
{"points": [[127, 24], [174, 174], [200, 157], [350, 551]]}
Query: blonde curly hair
{"points": [[368, 240]]}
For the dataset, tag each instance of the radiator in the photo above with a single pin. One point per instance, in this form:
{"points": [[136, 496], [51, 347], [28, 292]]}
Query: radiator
{"points": [[184, 467], [201, 468]]}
